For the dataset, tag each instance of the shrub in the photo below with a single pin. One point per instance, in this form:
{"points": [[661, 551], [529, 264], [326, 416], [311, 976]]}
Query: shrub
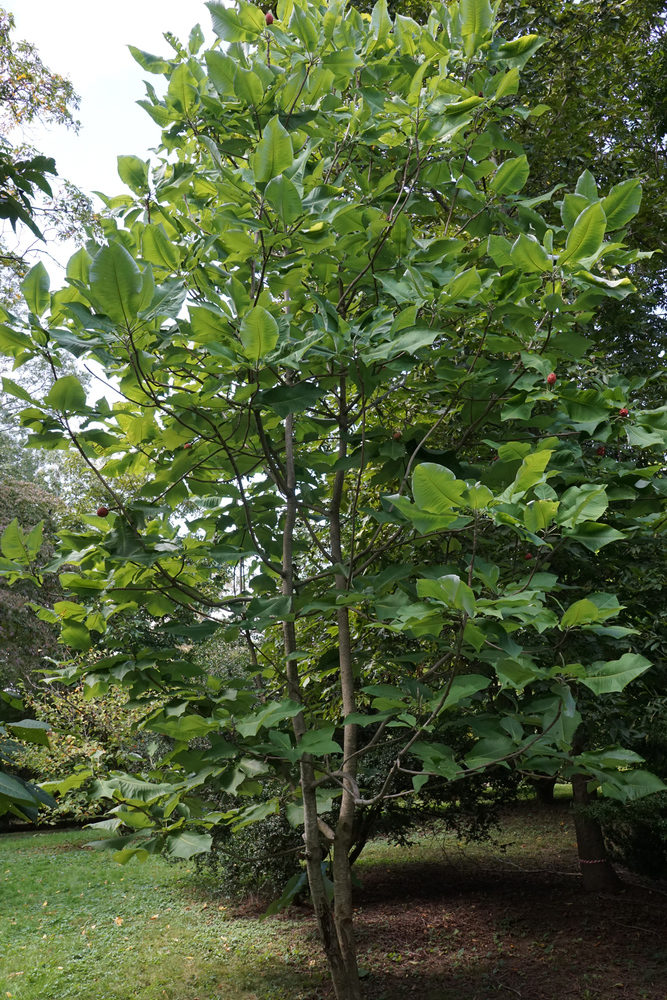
{"points": [[89, 737]]}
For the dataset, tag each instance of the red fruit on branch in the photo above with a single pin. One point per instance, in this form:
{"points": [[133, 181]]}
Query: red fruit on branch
{"points": [[397, 435], [551, 378], [601, 450], [528, 555], [269, 17], [102, 511], [623, 412]]}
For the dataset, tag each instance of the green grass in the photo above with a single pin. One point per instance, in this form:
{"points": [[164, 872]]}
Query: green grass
{"points": [[74, 924]]}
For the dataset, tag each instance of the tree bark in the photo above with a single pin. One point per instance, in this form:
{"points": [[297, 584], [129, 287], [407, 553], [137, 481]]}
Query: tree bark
{"points": [[544, 790], [596, 869], [334, 925], [344, 835]]}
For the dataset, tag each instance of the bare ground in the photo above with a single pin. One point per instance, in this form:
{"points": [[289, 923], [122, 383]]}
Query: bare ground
{"points": [[452, 923]]}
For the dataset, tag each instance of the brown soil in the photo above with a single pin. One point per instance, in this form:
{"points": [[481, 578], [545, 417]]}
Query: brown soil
{"points": [[476, 924]]}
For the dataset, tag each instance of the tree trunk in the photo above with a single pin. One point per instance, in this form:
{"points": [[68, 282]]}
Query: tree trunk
{"points": [[544, 790], [596, 869], [334, 924]]}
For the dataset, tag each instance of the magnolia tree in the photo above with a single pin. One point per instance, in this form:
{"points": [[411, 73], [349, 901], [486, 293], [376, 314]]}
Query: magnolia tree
{"points": [[349, 366]]}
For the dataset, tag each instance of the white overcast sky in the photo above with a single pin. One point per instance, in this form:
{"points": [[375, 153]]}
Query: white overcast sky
{"points": [[87, 41]]}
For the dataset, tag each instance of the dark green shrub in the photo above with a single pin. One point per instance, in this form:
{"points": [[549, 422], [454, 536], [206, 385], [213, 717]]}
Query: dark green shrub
{"points": [[636, 833], [257, 860]]}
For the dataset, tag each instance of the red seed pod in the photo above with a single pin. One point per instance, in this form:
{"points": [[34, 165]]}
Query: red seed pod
{"points": [[269, 17], [551, 378], [102, 511], [601, 451], [623, 412], [528, 555]]}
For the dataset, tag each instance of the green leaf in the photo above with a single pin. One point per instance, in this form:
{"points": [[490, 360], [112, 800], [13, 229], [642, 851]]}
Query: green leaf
{"points": [[613, 676], [157, 248], [539, 514], [30, 730], [629, 785], [463, 687], [134, 172], [519, 50], [435, 488], [586, 186], [115, 280], [593, 535], [582, 503], [516, 672], [221, 71], [185, 845], [78, 266], [67, 395], [449, 590], [380, 24], [226, 23], [16, 790], [248, 87], [35, 288], [12, 341], [259, 333], [511, 175], [284, 198], [571, 208], [183, 728], [622, 203], [529, 255], [318, 742], [274, 152], [586, 236], [13, 542], [476, 20], [580, 613], [152, 64]]}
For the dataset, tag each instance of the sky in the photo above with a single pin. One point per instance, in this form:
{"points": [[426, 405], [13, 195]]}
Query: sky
{"points": [[87, 41]]}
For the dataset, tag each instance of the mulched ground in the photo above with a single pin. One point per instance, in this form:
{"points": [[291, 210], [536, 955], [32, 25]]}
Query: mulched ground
{"points": [[480, 924]]}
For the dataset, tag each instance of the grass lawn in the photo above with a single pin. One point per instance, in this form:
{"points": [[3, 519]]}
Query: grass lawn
{"points": [[439, 921], [75, 924]]}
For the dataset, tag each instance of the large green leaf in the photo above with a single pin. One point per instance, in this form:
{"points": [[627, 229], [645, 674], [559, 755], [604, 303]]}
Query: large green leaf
{"points": [[582, 503], [274, 152], [158, 249], [580, 613], [622, 203], [35, 287], [259, 333], [186, 844], [614, 675], [115, 280], [586, 236], [450, 590], [134, 172], [529, 255], [436, 489], [67, 395], [511, 175], [476, 20], [282, 195], [629, 785]]}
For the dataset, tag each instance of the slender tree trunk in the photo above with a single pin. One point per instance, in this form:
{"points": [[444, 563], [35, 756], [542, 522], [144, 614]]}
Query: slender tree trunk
{"points": [[344, 835], [596, 869], [335, 931]]}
